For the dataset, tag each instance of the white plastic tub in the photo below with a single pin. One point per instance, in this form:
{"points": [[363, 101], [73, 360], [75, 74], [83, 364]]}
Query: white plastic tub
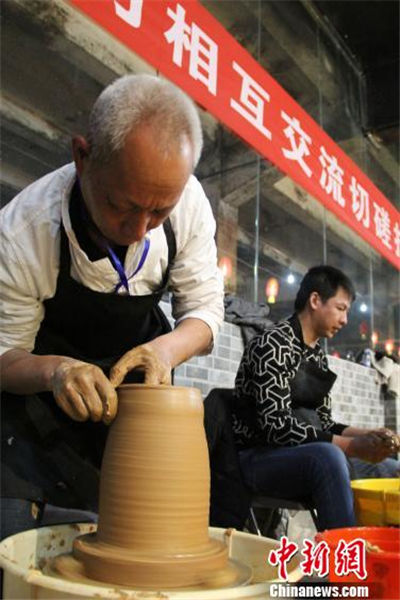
{"points": [[25, 555]]}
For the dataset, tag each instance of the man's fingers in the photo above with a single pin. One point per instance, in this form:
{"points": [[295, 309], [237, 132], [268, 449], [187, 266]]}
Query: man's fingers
{"points": [[92, 400], [149, 364], [388, 437], [385, 436], [110, 408], [117, 375], [376, 439], [134, 359], [151, 378], [146, 359], [156, 374], [73, 406], [165, 379], [126, 363], [109, 400], [82, 391], [387, 440]]}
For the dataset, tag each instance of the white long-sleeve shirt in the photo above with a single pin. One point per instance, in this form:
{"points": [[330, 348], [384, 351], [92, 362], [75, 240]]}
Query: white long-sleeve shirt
{"points": [[30, 252]]}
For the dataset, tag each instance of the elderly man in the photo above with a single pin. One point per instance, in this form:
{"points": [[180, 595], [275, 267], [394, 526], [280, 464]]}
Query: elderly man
{"points": [[87, 252], [289, 446]]}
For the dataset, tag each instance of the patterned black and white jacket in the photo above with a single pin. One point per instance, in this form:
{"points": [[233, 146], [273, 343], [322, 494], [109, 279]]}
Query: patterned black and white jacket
{"points": [[262, 409]]}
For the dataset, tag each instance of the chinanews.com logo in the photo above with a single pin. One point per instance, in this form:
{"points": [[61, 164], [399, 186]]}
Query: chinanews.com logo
{"points": [[347, 561], [313, 590]]}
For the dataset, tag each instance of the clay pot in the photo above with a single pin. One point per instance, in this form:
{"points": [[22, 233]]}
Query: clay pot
{"points": [[154, 494]]}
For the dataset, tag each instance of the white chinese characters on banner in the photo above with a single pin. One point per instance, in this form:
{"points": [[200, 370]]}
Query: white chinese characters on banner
{"points": [[188, 52], [360, 202], [132, 15], [396, 232], [331, 177], [382, 225], [252, 98], [299, 141], [203, 51]]}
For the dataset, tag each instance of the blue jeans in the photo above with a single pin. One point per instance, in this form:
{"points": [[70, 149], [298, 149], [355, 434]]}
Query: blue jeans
{"points": [[317, 472], [359, 469], [19, 515]]}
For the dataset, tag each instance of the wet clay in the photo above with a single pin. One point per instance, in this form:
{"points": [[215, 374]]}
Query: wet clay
{"points": [[154, 496], [233, 574]]}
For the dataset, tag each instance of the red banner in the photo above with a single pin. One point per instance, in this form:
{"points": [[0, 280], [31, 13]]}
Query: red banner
{"points": [[190, 47]]}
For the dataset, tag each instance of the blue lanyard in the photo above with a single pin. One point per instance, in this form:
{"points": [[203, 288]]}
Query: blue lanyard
{"points": [[116, 263], [103, 243]]}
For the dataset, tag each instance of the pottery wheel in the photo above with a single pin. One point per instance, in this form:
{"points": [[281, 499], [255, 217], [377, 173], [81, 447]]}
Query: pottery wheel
{"points": [[233, 574], [154, 498]]}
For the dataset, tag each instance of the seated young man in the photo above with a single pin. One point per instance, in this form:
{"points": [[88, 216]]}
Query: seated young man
{"points": [[289, 446]]}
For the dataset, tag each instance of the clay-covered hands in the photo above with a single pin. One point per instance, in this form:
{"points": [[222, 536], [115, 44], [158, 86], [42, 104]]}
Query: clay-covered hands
{"points": [[387, 437], [370, 447], [144, 358], [83, 392]]}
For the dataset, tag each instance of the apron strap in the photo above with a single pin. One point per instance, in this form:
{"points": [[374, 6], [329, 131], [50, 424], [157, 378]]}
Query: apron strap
{"points": [[171, 242]]}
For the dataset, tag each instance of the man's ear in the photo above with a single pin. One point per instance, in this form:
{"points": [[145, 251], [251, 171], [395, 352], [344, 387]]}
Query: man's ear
{"points": [[80, 153], [315, 300]]}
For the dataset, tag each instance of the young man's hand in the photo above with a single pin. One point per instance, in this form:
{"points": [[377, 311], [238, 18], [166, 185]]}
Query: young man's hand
{"points": [[388, 437], [369, 447]]}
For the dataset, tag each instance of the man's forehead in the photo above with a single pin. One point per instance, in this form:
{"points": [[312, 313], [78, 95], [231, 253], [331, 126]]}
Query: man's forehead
{"points": [[343, 295]]}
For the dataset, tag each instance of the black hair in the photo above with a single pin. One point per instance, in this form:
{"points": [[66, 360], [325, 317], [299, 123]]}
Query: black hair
{"points": [[324, 280]]}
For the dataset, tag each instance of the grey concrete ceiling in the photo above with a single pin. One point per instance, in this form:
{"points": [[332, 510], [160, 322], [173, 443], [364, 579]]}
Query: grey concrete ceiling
{"points": [[370, 29]]}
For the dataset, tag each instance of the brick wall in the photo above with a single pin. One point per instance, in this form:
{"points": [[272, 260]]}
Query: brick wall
{"points": [[356, 395], [357, 398], [392, 413], [217, 369]]}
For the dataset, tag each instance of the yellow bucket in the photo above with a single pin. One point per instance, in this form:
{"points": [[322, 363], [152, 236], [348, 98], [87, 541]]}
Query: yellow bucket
{"points": [[377, 501]]}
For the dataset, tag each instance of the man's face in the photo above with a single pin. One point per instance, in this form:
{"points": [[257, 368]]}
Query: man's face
{"points": [[330, 316], [137, 189]]}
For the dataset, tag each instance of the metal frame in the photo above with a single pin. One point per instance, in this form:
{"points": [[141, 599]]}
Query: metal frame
{"points": [[274, 503]]}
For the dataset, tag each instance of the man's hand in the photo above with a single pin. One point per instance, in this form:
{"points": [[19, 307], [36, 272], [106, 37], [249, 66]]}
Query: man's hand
{"points": [[388, 437], [369, 447], [145, 358], [157, 358], [83, 392]]}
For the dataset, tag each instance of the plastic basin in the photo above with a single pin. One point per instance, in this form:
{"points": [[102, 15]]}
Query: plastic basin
{"points": [[377, 501], [382, 561]]}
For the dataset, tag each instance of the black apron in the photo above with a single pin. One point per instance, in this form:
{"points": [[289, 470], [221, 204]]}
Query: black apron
{"points": [[308, 389], [46, 456], [310, 385]]}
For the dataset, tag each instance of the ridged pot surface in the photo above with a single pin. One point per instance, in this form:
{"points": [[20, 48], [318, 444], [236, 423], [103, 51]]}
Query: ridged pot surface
{"points": [[154, 495], [155, 480]]}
